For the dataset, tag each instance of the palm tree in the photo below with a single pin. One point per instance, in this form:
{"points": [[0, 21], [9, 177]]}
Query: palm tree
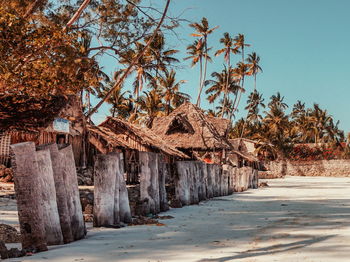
{"points": [[228, 48], [254, 67], [150, 106], [277, 101], [239, 72], [162, 57], [223, 83], [169, 89], [142, 68], [202, 31], [255, 100], [240, 43], [196, 54]]}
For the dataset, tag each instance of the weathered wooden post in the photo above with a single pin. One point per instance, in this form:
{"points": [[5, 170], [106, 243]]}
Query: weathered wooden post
{"points": [[182, 187], [105, 176], [193, 177], [124, 206], [203, 181], [255, 179], [210, 180], [232, 179], [61, 192], [48, 196], [163, 173], [149, 183], [217, 180], [71, 183], [225, 179], [28, 195]]}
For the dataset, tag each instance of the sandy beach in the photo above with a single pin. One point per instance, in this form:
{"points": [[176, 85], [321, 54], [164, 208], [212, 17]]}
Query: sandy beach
{"points": [[294, 219]]}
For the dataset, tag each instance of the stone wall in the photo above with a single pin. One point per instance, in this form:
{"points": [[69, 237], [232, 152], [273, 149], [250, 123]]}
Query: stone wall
{"points": [[334, 168]]}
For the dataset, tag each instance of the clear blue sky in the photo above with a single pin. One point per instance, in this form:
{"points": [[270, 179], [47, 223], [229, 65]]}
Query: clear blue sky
{"points": [[303, 45]]}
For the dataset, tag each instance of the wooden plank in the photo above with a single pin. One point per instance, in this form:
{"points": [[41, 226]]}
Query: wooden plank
{"points": [[28, 195], [49, 202]]}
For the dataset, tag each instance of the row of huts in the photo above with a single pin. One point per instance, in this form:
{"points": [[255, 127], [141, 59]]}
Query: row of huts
{"points": [[186, 134]]}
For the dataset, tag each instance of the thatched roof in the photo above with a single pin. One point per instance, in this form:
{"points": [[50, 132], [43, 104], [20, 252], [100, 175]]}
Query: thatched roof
{"points": [[28, 113], [187, 127], [122, 134]]}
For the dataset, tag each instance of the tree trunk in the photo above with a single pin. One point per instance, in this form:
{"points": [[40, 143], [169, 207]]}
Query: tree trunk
{"points": [[50, 210], [200, 81], [163, 173], [124, 206], [149, 183], [61, 192], [105, 181], [28, 195], [71, 183]]}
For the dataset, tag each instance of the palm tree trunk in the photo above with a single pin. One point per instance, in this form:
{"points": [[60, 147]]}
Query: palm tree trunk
{"points": [[168, 109], [200, 81], [226, 87]]}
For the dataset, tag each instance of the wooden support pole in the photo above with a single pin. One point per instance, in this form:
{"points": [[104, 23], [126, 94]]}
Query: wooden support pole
{"points": [[49, 203], [61, 191], [124, 206], [71, 182], [232, 179], [28, 195], [226, 169], [193, 177]]}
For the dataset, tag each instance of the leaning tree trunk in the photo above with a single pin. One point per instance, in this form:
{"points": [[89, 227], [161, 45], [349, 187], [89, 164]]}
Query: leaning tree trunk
{"points": [[61, 192], [50, 211], [71, 183], [28, 194]]}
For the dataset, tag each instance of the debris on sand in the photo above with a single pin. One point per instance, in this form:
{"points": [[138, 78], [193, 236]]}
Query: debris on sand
{"points": [[9, 234], [263, 184]]}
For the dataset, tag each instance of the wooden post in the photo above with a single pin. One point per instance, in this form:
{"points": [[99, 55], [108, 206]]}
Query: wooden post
{"points": [[226, 169], [28, 195], [232, 179], [193, 177], [149, 183], [210, 181], [105, 172], [117, 174], [217, 180], [163, 173], [182, 187], [49, 202], [203, 183], [255, 179], [124, 206], [71, 182], [61, 192]]}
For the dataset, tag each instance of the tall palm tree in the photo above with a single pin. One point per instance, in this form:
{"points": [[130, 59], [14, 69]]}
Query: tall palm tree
{"points": [[160, 55], [196, 53], [222, 83], [240, 43], [254, 66], [277, 101], [202, 31], [239, 72], [228, 48], [169, 89]]}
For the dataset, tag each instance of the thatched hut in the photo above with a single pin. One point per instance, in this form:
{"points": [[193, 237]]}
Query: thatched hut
{"points": [[188, 129], [56, 119], [116, 135]]}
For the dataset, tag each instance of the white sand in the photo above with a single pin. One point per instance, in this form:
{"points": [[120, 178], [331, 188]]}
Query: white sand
{"points": [[295, 219]]}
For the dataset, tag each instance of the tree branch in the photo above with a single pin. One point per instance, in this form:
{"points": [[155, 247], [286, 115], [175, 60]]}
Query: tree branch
{"points": [[77, 14], [127, 71]]}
